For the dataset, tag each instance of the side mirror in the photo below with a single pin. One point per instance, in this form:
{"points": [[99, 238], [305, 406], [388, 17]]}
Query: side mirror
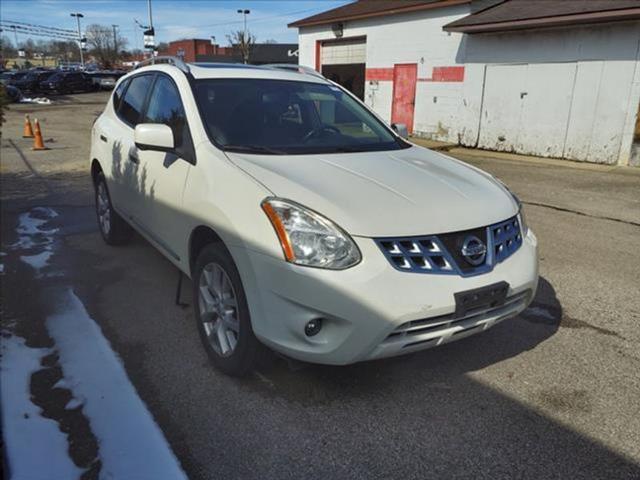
{"points": [[400, 129], [154, 136]]}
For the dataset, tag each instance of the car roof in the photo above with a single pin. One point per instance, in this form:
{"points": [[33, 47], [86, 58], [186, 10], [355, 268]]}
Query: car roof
{"points": [[238, 70]]}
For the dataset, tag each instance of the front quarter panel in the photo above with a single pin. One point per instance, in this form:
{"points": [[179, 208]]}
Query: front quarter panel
{"points": [[223, 197]]}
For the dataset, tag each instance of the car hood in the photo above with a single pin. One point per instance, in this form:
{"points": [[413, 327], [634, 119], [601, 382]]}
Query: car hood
{"points": [[407, 192]]}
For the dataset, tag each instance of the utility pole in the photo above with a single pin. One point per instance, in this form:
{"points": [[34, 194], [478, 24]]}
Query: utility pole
{"points": [[78, 17], [150, 17], [15, 32], [245, 40], [115, 42], [149, 35]]}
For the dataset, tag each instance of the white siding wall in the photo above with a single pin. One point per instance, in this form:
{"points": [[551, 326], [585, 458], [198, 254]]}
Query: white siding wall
{"points": [[581, 84], [582, 89]]}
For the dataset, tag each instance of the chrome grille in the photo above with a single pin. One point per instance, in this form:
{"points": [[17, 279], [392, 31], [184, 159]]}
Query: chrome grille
{"points": [[440, 254], [506, 238]]}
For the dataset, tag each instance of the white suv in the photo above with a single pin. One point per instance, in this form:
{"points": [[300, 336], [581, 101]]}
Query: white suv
{"points": [[305, 223]]}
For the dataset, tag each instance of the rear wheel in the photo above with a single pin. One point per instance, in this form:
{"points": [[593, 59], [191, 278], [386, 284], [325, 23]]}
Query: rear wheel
{"points": [[222, 314], [114, 230]]}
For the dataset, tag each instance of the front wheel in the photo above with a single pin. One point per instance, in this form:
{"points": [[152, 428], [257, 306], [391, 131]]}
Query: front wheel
{"points": [[222, 314], [114, 230]]}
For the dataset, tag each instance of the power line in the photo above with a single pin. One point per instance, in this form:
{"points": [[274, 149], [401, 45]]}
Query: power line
{"points": [[44, 27], [36, 31], [254, 20]]}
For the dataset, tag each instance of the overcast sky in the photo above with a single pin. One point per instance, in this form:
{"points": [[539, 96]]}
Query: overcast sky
{"points": [[172, 19]]}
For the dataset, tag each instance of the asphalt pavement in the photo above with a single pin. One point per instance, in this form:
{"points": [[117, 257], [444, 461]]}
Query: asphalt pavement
{"points": [[553, 393]]}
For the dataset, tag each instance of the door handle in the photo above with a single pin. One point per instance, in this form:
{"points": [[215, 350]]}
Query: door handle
{"points": [[103, 138], [133, 158]]}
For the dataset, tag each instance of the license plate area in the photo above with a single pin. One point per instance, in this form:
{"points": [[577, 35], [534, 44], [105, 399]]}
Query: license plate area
{"points": [[479, 299]]}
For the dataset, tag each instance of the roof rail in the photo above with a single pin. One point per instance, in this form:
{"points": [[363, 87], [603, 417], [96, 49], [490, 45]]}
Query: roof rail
{"points": [[295, 68], [175, 61]]}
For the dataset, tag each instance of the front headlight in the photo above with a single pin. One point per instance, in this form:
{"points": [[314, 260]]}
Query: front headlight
{"points": [[307, 238], [521, 219]]}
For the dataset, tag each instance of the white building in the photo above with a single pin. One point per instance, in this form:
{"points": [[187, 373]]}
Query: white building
{"points": [[556, 78]]}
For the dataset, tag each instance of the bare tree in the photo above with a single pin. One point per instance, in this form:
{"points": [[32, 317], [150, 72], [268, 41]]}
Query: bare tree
{"points": [[7, 50], [162, 47], [242, 44], [101, 44]]}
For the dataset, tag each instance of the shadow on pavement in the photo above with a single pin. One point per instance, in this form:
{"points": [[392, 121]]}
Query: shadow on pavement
{"points": [[427, 415]]}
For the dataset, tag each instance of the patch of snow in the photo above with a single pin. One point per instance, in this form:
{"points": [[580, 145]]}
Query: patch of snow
{"points": [[36, 449], [32, 235], [131, 443], [540, 312], [74, 403], [37, 261], [29, 223], [38, 100]]}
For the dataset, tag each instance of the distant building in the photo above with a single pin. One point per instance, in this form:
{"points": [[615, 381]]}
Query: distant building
{"points": [[559, 78], [190, 49], [199, 50], [36, 61]]}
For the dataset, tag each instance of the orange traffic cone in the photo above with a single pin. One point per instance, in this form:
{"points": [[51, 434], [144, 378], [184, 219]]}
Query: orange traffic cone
{"points": [[28, 131], [38, 144]]}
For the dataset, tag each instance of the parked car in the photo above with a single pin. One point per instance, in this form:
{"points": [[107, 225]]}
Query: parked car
{"points": [[31, 81], [305, 223], [9, 78], [106, 80], [68, 82]]}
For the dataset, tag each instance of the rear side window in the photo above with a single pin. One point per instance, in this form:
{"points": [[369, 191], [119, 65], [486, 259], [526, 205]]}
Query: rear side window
{"points": [[166, 107], [133, 100]]}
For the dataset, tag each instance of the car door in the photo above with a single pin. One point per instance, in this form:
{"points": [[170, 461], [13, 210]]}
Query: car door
{"points": [[165, 174], [128, 180], [71, 82]]}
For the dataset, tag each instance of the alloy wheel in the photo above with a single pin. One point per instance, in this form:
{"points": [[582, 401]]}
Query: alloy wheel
{"points": [[104, 210], [218, 309]]}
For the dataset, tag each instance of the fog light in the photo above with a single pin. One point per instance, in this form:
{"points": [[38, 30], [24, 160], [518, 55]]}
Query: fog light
{"points": [[313, 327]]}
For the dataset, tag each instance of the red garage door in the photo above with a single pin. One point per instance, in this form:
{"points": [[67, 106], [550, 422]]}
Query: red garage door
{"points": [[405, 77]]}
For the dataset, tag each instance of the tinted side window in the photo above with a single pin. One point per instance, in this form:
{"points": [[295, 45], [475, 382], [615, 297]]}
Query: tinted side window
{"points": [[117, 94], [133, 100], [166, 107]]}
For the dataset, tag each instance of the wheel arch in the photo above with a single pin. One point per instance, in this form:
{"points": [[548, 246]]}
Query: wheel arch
{"points": [[96, 169], [200, 237]]}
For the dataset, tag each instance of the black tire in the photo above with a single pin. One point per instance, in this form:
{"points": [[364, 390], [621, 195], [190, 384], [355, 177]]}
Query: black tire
{"points": [[248, 350], [114, 231]]}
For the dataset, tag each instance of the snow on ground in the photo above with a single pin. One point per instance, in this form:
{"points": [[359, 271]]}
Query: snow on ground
{"points": [[31, 235], [36, 449], [29, 223], [131, 443], [37, 261]]}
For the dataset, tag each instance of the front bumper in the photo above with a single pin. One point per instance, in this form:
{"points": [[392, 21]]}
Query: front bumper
{"points": [[371, 310]]}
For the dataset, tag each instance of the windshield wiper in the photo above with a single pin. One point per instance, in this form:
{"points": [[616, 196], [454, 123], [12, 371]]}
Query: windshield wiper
{"points": [[253, 149], [345, 149]]}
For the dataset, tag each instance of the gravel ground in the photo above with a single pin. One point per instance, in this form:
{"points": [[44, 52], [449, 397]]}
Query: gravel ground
{"points": [[550, 394]]}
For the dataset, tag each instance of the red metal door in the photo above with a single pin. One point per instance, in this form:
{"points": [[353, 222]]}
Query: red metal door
{"points": [[405, 77]]}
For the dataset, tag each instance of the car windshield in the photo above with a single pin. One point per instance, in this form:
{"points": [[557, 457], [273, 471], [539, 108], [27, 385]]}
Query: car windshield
{"points": [[288, 117]]}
